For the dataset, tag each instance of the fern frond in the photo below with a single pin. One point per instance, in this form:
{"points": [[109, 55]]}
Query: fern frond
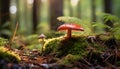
{"points": [[101, 25], [111, 17], [68, 19], [116, 24]]}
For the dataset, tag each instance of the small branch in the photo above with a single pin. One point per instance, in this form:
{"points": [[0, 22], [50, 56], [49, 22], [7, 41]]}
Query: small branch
{"points": [[16, 27], [86, 61], [108, 58]]}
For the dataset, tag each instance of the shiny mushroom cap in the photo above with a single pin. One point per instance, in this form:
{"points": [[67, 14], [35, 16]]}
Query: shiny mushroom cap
{"points": [[70, 26]]}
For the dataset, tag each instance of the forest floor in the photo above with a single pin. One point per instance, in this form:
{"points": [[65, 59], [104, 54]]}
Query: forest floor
{"points": [[37, 61], [95, 62], [34, 59]]}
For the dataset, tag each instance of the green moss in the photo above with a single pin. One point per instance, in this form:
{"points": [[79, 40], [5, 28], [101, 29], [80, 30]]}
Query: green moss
{"points": [[72, 49], [61, 46], [53, 34], [33, 42], [3, 41], [98, 48], [75, 46], [69, 59], [105, 37], [32, 39], [117, 63], [51, 45], [8, 55]]}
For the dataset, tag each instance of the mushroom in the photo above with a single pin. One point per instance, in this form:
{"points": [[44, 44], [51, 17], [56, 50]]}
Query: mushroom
{"points": [[42, 41], [69, 27], [42, 36]]}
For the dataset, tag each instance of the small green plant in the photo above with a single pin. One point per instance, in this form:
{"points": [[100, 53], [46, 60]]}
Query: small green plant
{"points": [[33, 42], [3, 41], [5, 30], [115, 30]]}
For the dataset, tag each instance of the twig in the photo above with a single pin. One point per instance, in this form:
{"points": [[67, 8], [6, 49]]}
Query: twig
{"points": [[90, 55], [16, 27], [108, 58], [115, 55], [86, 61]]}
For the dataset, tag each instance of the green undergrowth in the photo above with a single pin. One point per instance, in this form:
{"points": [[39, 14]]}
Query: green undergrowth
{"points": [[68, 59], [3, 41], [76, 47], [51, 45], [61, 46], [32, 42], [9, 55]]}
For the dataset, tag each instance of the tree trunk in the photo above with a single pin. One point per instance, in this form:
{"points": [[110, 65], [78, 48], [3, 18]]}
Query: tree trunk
{"points": [[36, 7], [4, 15], [78, 10], [4, 11], [56, 10], [70, 8], [108, 9], [93, 11], [0, 12]]}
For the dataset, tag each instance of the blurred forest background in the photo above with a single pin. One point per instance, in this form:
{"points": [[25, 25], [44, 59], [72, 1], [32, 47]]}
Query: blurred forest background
{"points": [[40, 16]]}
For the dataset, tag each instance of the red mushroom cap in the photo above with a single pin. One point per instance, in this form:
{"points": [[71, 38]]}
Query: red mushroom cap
{"points": [[70, 27]]}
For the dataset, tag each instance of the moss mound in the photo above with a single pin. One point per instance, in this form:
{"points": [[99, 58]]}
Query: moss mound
{"points": [[8, 55], [61, 47], [78, 48], [51, 45]]}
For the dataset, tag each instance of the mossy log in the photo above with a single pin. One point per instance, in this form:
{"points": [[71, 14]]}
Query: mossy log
{"points": [[8, 55]]}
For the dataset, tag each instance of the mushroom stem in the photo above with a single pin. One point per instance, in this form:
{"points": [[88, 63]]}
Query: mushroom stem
{"points": [[69, 33]]}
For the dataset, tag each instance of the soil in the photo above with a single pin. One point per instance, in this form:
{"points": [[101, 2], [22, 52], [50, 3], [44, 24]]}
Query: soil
{"points": [[37, 61]]}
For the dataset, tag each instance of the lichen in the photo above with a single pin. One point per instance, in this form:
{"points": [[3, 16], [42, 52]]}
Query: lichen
{"points": [[8, 55]]}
